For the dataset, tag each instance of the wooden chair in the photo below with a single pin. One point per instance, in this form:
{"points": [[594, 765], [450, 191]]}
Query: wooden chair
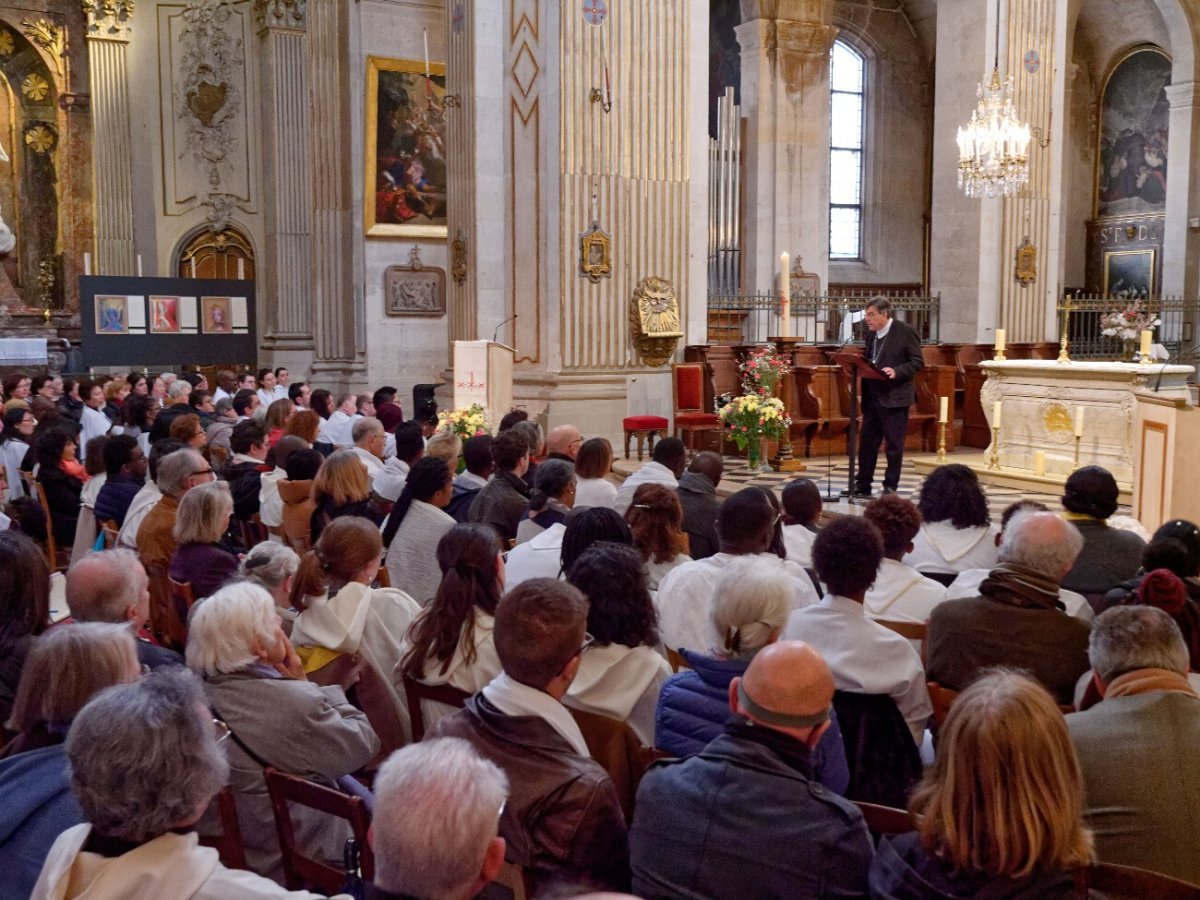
{"points": [[183, 598], [643, 428], [58, 559], [253, 531], [613, 744], [301, 871], [217, 457], [885, 820], [110, 529], [416, 691], [914, 631], [344, 671], [384, 578], [675, 658], [228, 843], [941, 698], [165, 624], [691, 415], [1128, 883]]}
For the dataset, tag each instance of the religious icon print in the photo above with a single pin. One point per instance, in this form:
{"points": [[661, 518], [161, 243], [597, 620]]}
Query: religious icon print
{"points": [[111, 315], [215, 315], [164, 315]]}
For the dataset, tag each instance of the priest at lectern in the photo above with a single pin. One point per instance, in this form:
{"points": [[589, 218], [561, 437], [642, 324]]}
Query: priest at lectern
{"points": [[895, 348]]}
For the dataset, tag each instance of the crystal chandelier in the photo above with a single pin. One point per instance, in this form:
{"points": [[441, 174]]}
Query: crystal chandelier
{"points": [[993, 148]]}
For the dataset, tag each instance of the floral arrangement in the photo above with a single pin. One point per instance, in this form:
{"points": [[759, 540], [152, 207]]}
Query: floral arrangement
{"points": [[762, 370], [721, 401], [466, 423], [751, 417], [1128, 324]]}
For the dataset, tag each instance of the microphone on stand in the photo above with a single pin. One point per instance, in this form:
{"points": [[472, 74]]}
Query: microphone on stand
{"points": [[1189, 353], [496, 333]]}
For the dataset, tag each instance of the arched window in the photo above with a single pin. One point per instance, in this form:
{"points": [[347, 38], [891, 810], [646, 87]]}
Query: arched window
{"points": [[847, 79]]}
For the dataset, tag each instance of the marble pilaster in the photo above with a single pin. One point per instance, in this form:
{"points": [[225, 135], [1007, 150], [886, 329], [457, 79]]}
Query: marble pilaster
{"points": [[1181, 242]]}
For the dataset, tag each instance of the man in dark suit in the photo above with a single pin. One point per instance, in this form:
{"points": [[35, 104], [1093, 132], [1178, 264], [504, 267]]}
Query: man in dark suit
{"points": [[896, 349]]}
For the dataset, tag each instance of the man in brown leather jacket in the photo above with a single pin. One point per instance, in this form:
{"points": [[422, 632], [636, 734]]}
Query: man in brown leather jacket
{"points": [[563, 816]]}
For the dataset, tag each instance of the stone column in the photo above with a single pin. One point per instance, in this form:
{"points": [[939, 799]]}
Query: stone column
{"points": [[108, 32], [336, 303], [785, 100], [285, 274], [1181, 242]]}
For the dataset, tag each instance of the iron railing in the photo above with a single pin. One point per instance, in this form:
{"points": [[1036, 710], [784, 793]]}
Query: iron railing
{"points": [[753, 318], [1176, 332]]}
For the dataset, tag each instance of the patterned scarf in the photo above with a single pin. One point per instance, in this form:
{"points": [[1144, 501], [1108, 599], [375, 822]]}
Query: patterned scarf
{"points": [[1145, 681], [1020, 585]]}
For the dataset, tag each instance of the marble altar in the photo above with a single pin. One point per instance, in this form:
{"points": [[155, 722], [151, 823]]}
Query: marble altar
{"points": [[1040, 400]]}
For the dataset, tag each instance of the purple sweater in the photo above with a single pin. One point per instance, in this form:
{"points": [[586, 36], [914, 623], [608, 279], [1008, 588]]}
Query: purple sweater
{"points": [[206, 566]]}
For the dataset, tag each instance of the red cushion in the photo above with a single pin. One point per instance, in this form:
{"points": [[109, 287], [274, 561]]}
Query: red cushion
{"points": [[697, 419], [689, 387], [635, 423]]}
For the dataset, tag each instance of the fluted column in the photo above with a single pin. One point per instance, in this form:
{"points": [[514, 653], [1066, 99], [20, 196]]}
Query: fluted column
{"points": [[108, 32], [1181, 243], [785, 99], [336, 306], [286, 273]]}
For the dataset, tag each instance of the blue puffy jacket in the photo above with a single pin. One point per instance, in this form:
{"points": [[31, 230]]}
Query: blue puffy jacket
{"points": [[38, 806], [694, 705]]}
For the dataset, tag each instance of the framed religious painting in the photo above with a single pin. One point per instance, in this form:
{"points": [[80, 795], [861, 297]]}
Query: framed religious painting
{"points": [[1129, 274], [111, 314], [164, 315], [405, 147]]}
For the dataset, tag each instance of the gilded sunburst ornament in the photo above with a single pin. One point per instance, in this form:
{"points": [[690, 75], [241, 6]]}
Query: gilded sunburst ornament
{"points": [[35, 87], [40, 139]]}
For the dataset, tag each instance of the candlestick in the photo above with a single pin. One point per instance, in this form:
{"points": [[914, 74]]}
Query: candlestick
{"points": [[943, 409], [994, 459], [1078, 438], [996, 407], [1063, 356], [87, 264], [241, 270], [139, 265], [425, 37], [1039, 462], [999, 354], [785, 300], [1145, 347], [941, 451], [193, 267], [1079, 421]]}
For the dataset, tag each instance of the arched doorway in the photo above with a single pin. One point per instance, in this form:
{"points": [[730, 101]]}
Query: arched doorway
{"points": [[216, 255]]}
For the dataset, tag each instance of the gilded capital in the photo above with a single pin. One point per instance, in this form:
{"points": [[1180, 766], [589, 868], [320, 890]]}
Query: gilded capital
{"points": [[288, 14], [805, 38], [108, 19]]}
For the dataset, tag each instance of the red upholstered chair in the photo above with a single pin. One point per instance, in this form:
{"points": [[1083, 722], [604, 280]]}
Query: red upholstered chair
{"points": [[643, 426], [687, 380]]}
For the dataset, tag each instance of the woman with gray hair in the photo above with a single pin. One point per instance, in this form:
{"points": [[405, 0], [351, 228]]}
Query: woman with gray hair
{"points": [[276, 717], [272, 566], [751, 608], [200, 557], [146, 762]]}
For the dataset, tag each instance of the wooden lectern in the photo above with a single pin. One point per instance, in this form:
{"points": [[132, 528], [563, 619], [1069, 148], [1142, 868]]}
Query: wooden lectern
{"points": [[483, 374], [1166, 481]]}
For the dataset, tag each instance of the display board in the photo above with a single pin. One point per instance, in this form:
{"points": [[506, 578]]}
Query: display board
{"points": [[126, 320]]}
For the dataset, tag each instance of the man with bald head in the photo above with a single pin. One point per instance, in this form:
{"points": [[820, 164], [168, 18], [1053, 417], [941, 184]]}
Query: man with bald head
{"points": [[1018, 620], [745, 817], [563, 442]]}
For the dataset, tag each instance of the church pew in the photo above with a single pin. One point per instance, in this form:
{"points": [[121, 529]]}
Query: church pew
{"points": [[824, 396]]}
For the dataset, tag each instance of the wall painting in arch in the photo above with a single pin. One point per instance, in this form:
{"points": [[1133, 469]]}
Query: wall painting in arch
{"points": [[1131, 175]]}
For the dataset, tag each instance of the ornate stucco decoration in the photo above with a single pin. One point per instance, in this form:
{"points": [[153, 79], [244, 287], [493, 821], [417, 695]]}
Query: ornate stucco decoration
{"points": [[108, 19], [208, 101], [654, 320], [291, 14], [49, 36], [1026, 270]]}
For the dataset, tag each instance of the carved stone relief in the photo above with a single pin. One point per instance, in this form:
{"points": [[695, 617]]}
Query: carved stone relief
{"points": [[281, 13], [108, 19]]}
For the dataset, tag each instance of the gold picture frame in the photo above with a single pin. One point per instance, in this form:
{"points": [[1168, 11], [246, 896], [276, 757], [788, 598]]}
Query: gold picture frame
{"points": [[405, 187], [1026, 270], [595, 254], [1129, 274]]}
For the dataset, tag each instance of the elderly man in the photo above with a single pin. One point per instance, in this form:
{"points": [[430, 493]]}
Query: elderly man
{"points": [[665, 467], [563, 816], [369, 440], [1138, 746], [563, 443], [506, 497], [112, 587], [436, 821], [690, 834], [746, 525], [1018, 619], [178, 397], [177, 474], [865, 657], [698, 497]]}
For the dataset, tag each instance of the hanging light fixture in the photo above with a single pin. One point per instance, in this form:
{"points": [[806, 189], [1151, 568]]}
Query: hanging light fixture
{"points": [[993, 148]]}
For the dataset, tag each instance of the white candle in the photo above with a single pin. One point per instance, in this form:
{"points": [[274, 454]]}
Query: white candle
{"points": [[193, 267], [425, 35], [996, 414], [999, 340], [943, 409], [241, 270], [1079, 421], [785, 302], [87, 264], [1145, 348], [1039, 462], [139, 261]]}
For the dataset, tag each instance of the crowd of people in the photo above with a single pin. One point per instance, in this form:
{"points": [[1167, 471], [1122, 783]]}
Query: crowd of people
{"points": [[487, 639]]}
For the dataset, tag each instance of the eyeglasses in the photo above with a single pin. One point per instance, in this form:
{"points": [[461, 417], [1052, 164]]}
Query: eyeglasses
{"points": [[576, 441], [588, 640], [207, 471], [221, 731]]}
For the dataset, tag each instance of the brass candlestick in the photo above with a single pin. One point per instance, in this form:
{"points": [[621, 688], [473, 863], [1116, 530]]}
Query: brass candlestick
{"points": [[1078, 439], [1063, 356], [941, 451], [994, 462]]}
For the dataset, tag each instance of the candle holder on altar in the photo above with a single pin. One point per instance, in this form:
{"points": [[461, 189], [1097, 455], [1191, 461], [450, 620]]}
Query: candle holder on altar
{"points": [[1078, 440], [1063, 356], [994, 460], [941, 450]]}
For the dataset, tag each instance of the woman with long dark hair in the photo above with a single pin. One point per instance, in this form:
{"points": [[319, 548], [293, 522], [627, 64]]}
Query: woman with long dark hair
{"points": [[62, 476], [414, 527]]}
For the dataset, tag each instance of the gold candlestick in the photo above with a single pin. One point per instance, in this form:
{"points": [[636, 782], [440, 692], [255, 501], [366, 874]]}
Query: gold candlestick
{"points": [[1078, 439], [1063, 356], [994, 462], [941, 451]]}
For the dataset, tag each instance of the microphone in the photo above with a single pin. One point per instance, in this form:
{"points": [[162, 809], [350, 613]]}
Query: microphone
{"points": [[496, 333], [1190, 352]]}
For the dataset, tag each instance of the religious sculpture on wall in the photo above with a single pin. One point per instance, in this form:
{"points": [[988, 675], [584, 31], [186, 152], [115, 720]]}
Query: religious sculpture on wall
{"points": [[654, 320], [1134, 117], [415, 289]]}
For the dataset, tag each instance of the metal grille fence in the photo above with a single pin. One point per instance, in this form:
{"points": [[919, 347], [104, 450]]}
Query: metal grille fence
{"points": [[753, 318], [1176, 333]]}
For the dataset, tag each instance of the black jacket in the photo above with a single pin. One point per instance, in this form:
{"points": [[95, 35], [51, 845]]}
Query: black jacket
{"points": [[900, 350], [698, 497], [62, 495], [245, 482]]}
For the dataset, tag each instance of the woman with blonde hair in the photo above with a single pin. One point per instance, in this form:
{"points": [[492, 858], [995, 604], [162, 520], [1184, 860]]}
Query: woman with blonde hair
{"points": [[445, 445], [1000, 810], [341, 488], [656, 520], [340, 611], [200, 558], [592, 465]]}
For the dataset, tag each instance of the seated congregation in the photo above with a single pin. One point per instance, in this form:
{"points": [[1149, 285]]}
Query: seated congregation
{"points": [[265, 641]]}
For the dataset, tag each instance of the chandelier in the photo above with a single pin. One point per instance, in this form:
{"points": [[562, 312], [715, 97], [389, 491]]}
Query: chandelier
{"points": [[993, 148]]}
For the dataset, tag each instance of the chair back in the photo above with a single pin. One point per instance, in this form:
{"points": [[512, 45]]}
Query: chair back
{"points": [[675, 658], [885, 820], [51, 545], [914, 631], [384, 578], [344, 671], [217, 456], [941, 698], [416, 691], [165, 622], [688, 382], [1128, 883], [514, 879], [253, 531], [622, 755], [299, 870], [228, 843]]}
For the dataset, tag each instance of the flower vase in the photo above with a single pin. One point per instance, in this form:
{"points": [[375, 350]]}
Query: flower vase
{"points": [[1129, 349], [754, 456]]}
